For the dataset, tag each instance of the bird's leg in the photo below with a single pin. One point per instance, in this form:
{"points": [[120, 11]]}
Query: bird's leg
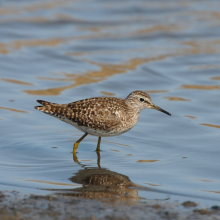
{"points": [[98, 159], [98, 145], [76, 144], [75, 158]]}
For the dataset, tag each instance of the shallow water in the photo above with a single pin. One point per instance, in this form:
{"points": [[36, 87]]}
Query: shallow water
{"points": [[63, 51]]}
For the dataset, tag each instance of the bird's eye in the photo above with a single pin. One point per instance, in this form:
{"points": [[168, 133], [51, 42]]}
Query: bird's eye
{"points": [[141, 99]]}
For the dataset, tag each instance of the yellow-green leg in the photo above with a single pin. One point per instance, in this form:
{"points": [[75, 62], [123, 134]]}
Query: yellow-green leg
{"points": [[76, 144], [75, 159], [98, 145]]}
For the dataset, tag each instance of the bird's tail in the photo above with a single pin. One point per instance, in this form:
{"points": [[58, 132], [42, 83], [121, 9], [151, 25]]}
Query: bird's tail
{"points": [[53, 109], [45, 105]]}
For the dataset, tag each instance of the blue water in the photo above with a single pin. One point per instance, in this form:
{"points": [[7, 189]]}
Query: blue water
{"points": [[63, 51]]}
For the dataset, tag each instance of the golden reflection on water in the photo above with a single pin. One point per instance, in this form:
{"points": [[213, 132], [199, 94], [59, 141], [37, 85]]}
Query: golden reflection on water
{"points": [[212, 16], [106, 70], [107, 93], [210, 46], [147, 161], [33, 43], [33, 7], [3, 49], [40, 19], [203, 46], [13, 110], [198, 46], [17, 82], [114, 150], [176, 99], [17, 45], [215, 78], [218, 192], [159, 27], [190, 116], [200, 87], [210, 125]]}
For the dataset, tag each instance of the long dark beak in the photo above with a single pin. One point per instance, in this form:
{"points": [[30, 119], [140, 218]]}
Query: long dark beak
{"points": [[159, 109]]}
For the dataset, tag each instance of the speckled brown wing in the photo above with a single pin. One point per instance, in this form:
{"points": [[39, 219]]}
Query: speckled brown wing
{"points": [[97, 113]]}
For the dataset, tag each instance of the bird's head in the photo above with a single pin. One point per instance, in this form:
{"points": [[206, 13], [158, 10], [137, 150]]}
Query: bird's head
{"points": [[141, 100]]}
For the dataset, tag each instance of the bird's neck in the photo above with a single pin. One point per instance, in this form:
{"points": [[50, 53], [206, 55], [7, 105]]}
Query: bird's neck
{"points": [[132, 107], [132, 113]]}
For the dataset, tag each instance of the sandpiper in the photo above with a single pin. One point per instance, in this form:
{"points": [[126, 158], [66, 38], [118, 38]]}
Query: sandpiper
{"points": [[101, 116]]}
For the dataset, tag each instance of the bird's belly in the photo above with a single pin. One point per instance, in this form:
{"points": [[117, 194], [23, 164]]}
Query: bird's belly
{"points": [[98, 132], [92, 131]]}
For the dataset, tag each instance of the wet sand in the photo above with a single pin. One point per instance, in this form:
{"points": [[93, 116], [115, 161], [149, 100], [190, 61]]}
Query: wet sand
{"points": [[15, 206]]}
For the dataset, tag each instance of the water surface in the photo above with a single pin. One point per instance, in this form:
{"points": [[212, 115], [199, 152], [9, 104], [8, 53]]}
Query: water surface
{"points": [[63, 51]]}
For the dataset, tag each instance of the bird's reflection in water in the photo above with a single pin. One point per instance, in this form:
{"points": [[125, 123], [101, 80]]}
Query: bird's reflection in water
{"points": [[75, 159], [101, 183]]}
